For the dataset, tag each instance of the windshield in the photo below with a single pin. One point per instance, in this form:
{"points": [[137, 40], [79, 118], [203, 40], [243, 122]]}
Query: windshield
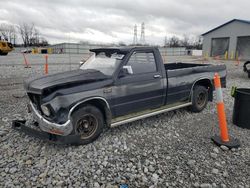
{"points": [[103, 62]]}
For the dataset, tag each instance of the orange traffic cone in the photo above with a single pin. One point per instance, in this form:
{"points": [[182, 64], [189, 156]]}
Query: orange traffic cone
{"points": [[26, 62], [217, 57], [237, 62], [224, 138], [46, 66]]}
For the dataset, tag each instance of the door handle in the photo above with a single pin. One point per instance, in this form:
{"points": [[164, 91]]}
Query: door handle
{"points": [[157, 76]]}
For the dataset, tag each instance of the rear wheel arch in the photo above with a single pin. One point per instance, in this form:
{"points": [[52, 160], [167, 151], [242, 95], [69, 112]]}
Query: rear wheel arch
{"points": [[245, 66], [207, 83]]}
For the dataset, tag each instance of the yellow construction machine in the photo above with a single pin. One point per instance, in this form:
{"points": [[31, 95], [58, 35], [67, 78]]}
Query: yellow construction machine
{"points": [[5, 47]]}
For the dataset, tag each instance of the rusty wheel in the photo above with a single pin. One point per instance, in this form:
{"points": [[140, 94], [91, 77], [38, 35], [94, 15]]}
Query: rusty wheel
{"points": [[88, 123], [86, 126]]}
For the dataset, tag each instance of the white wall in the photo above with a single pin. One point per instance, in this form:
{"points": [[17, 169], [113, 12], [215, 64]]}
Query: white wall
{"points": [[196, 52]]}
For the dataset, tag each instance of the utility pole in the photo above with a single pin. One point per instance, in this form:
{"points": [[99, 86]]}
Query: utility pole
{"points": [[142, 39], [135, 35]]}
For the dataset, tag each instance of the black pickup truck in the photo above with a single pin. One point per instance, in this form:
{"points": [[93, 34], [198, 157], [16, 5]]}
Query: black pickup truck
{"points": [[113, 87]]}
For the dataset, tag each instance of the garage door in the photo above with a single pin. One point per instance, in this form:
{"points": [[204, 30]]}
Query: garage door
{"points": [[219, 46], [243, 47]]}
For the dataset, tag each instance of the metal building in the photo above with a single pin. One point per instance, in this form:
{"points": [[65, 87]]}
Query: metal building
{"points": [[73, 48], [230, 40]]}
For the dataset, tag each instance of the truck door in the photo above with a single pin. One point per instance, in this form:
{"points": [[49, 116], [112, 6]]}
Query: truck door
{"points": [[142, 88]]}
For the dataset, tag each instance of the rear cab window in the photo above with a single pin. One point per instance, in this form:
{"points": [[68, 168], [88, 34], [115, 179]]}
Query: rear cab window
{"points": [[142, 62]]}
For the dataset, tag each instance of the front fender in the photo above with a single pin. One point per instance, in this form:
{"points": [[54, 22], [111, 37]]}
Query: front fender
{"points": [[65, 106]]}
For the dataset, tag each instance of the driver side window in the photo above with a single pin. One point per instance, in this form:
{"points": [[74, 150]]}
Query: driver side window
{"points": [[142, 62]]}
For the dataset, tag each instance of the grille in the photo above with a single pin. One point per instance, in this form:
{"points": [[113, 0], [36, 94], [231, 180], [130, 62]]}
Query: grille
{"points": [[36, 100]]}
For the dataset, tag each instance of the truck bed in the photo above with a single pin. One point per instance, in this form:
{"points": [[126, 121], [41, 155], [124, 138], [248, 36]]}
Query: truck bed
{"points": [[182, 76], [181, 69], [179, 65]]}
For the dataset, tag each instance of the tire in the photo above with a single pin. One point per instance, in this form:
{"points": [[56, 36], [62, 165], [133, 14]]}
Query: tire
{"points": [[245, 66], [199, 99], [1, 53], [88, 122]]}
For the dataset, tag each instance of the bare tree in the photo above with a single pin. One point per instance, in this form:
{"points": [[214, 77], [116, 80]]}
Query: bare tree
{"points": [[8, 32], [189, 42], [27, 33], [185, 42], [35, 39], [165, 41], [174, 41], [43, 42], [198, 42], [4, 31]]}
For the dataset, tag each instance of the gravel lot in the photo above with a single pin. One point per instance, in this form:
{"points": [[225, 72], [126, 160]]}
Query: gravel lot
{"points": [[169, 150]]}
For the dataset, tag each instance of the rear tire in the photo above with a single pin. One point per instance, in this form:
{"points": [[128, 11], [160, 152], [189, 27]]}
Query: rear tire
{"points": [[88, 122], [1, 53], [199, 99]]}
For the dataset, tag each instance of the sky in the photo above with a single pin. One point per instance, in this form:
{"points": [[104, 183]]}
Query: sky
{"points": [[112, 21]]}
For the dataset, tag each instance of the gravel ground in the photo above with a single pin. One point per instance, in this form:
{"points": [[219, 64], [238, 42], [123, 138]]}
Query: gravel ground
{"points": [[169, 150]]}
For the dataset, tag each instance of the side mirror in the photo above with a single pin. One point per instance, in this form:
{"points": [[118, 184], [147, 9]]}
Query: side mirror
{"points": [[126, 70]]}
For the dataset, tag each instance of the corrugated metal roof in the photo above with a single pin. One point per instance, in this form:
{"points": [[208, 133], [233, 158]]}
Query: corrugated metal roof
{"points": [[239, 20]]}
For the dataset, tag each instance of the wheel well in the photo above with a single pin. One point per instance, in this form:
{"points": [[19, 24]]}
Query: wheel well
{"points": [[101, 105], [245, 66], [206, 83]]}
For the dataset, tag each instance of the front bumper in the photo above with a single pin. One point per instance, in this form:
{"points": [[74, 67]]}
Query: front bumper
{"points": [[47, 126], [19, 125]]}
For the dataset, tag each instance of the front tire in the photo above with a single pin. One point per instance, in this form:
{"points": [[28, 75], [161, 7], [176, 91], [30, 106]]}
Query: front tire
{"points": [[88, 123], [199, 99]]}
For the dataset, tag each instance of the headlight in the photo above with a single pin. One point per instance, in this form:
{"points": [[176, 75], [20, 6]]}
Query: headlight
{"points": [[45, 110]]}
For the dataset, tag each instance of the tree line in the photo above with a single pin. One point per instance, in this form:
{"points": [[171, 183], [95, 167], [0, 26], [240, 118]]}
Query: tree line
{"points": [[186, 41], [28, 33]]}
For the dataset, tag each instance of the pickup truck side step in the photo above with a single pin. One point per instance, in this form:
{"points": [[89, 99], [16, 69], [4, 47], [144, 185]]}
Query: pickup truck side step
{"points": [[148, 113]]}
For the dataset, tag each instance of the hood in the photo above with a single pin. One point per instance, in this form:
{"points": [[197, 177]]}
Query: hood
{"points": [[60, 80]]}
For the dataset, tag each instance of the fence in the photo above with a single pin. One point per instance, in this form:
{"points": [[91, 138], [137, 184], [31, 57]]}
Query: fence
{"points": [[73, 53], [72, 48]]}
